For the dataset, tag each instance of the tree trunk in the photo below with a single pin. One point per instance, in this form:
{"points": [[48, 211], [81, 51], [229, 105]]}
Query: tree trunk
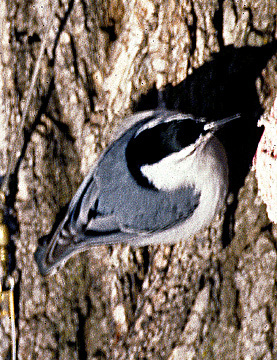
{"points": [[212, 297]]}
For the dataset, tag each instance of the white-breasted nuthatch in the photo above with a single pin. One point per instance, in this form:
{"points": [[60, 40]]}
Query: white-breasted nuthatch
{"points": [[162, 180]]}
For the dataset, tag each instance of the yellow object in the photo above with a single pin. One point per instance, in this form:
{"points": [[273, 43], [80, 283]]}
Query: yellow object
{"points": [[4, 241], [2, 197], [4, 234]]}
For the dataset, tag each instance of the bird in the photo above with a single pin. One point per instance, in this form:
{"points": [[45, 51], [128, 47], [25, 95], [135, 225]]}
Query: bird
{"points": [[162, 180]]}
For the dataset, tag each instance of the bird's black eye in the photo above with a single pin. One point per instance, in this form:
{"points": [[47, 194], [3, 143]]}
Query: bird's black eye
{"points": [[188, 131], [155, 143]]}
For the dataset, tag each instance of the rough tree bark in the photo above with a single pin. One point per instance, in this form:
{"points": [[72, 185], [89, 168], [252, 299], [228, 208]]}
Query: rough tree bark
{"points": [[204, 298]]}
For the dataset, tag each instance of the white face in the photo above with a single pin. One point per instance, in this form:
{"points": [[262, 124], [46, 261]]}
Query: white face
{"points": [[177, 169]]}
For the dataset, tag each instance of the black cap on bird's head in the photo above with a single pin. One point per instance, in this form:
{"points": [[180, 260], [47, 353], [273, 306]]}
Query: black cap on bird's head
{"points": [[165, 135]]}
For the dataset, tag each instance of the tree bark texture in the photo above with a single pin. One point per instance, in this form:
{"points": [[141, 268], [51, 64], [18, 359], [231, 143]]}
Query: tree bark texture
{"points": [[212, 297]]}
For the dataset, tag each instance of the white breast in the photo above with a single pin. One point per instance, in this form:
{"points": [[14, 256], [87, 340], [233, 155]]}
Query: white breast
{"points": [[208, 173], [173, 171]]}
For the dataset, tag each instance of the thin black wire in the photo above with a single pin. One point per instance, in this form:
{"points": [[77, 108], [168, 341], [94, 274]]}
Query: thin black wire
{"points": [[12, 159]]}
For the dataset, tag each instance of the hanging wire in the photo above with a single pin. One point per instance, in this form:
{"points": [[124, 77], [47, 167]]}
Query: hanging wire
{"points": [[7, 282], [12, 315], [13, 156]]}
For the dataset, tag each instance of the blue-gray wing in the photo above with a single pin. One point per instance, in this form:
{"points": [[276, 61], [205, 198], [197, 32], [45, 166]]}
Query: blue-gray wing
{"points": [[135, 208]]}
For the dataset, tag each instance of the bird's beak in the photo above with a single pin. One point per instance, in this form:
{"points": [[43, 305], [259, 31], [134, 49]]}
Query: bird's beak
{"points": [[215, 125]]}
